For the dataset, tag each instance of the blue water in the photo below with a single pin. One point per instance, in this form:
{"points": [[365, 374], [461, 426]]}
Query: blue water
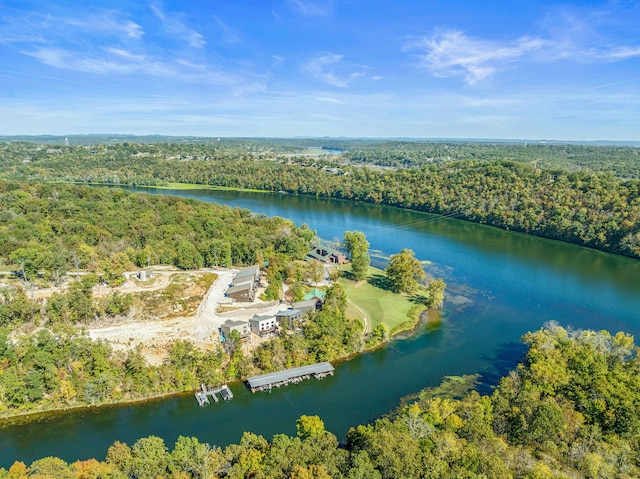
{"points": [[500, 285]]}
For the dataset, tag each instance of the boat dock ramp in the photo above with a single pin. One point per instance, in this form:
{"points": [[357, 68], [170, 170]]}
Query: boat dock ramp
{"points": [[295, 375], [203, 396]]}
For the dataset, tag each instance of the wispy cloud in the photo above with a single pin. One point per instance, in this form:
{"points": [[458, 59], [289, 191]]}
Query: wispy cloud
{"points": [[328, 68], [118, 61], [109, 43], [605, 54], [104, 22], [229, 35], [311, 9], [42, 27], [111, 60], [176, 25], [452, 53]]}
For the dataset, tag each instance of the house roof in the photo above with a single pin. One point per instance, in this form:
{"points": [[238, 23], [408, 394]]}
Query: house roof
{"points": [[314, 255], [315, 293], [264, 317], [305, 305], [243, 280], [323, 246], [230, 323], [273, 378], [287, 313], [248, 271], [239, 288]]}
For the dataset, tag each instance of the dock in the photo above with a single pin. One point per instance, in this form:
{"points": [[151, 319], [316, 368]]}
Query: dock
{"points": [[205, 393], [295, 375]]}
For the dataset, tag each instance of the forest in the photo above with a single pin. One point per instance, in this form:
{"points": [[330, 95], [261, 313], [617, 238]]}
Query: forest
{"points": [[48, 362], [589, 206], [569, 410]]}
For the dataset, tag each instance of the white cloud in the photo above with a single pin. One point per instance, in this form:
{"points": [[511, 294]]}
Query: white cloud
{"points": [[618, 53], [229, 35], [38, 27], [112, 61], [105, 22], [108, 43], [118, 61], [277, 60], [311, 9], [325, 66], [452, 53], [176, 25]]}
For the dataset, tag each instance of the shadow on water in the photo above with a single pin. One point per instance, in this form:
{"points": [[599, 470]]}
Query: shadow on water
{"points": [[504, 360]]}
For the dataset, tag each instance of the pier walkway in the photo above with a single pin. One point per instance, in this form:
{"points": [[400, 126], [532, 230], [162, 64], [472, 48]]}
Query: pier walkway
{"points": [[295, 375], [203, 396]]}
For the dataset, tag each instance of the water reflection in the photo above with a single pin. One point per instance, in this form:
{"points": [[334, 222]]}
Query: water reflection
{"points": [[500, 285]]}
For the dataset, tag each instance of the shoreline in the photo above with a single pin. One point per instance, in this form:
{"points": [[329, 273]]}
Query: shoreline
{"points": [[197, 186], [405, 329], [44, 414]]}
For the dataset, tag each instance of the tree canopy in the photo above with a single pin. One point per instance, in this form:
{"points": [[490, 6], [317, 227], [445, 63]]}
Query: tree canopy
{"points": [[357, 246], [586, 195], [404, 271], [568, 411]]}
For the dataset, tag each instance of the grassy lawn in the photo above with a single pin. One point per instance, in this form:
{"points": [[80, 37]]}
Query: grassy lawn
{"points": [[192, 186], [377, 304], [173, 186]]}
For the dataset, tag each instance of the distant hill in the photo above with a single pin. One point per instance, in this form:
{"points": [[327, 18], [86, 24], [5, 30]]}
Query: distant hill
{"points": [[104, 138]]}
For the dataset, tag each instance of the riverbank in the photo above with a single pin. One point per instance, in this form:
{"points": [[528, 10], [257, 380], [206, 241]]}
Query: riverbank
{"points": [[511, 284], [51, 413], [564, 237], [403, 330]]}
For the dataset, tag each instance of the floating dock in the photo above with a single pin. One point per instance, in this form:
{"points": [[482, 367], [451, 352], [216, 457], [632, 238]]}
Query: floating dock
{"points": [[295, 375], [205, 393]]}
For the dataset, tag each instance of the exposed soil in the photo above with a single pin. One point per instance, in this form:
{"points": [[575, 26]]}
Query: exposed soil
{"points": [[171, 305]]}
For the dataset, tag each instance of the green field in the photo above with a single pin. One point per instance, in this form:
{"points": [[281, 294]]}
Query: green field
{"points": [[378, 305], [195, 186]]}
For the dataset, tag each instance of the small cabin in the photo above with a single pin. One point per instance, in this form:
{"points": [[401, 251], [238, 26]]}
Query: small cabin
{"points": [[326, 255], [315, 293], [144, 275]]}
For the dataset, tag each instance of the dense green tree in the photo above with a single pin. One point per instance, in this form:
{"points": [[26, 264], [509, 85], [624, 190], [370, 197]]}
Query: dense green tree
{"points": [[435, 289], [80, 301], [149, 458], [537, 424], [50, 467], [309, 426], [315, 271], [27, 260], [16, 307], [357, 248], [404, 271], [187, 256]]}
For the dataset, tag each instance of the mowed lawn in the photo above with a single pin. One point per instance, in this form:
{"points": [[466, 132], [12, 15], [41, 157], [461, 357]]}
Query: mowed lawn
{"points": [[377, 304]]}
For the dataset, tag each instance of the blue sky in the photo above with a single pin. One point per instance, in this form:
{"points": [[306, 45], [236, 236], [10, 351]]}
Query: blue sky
{"points": [[373, 68]]}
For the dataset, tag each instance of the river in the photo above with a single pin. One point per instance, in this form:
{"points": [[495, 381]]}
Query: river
{"points": [[500, 285]]}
